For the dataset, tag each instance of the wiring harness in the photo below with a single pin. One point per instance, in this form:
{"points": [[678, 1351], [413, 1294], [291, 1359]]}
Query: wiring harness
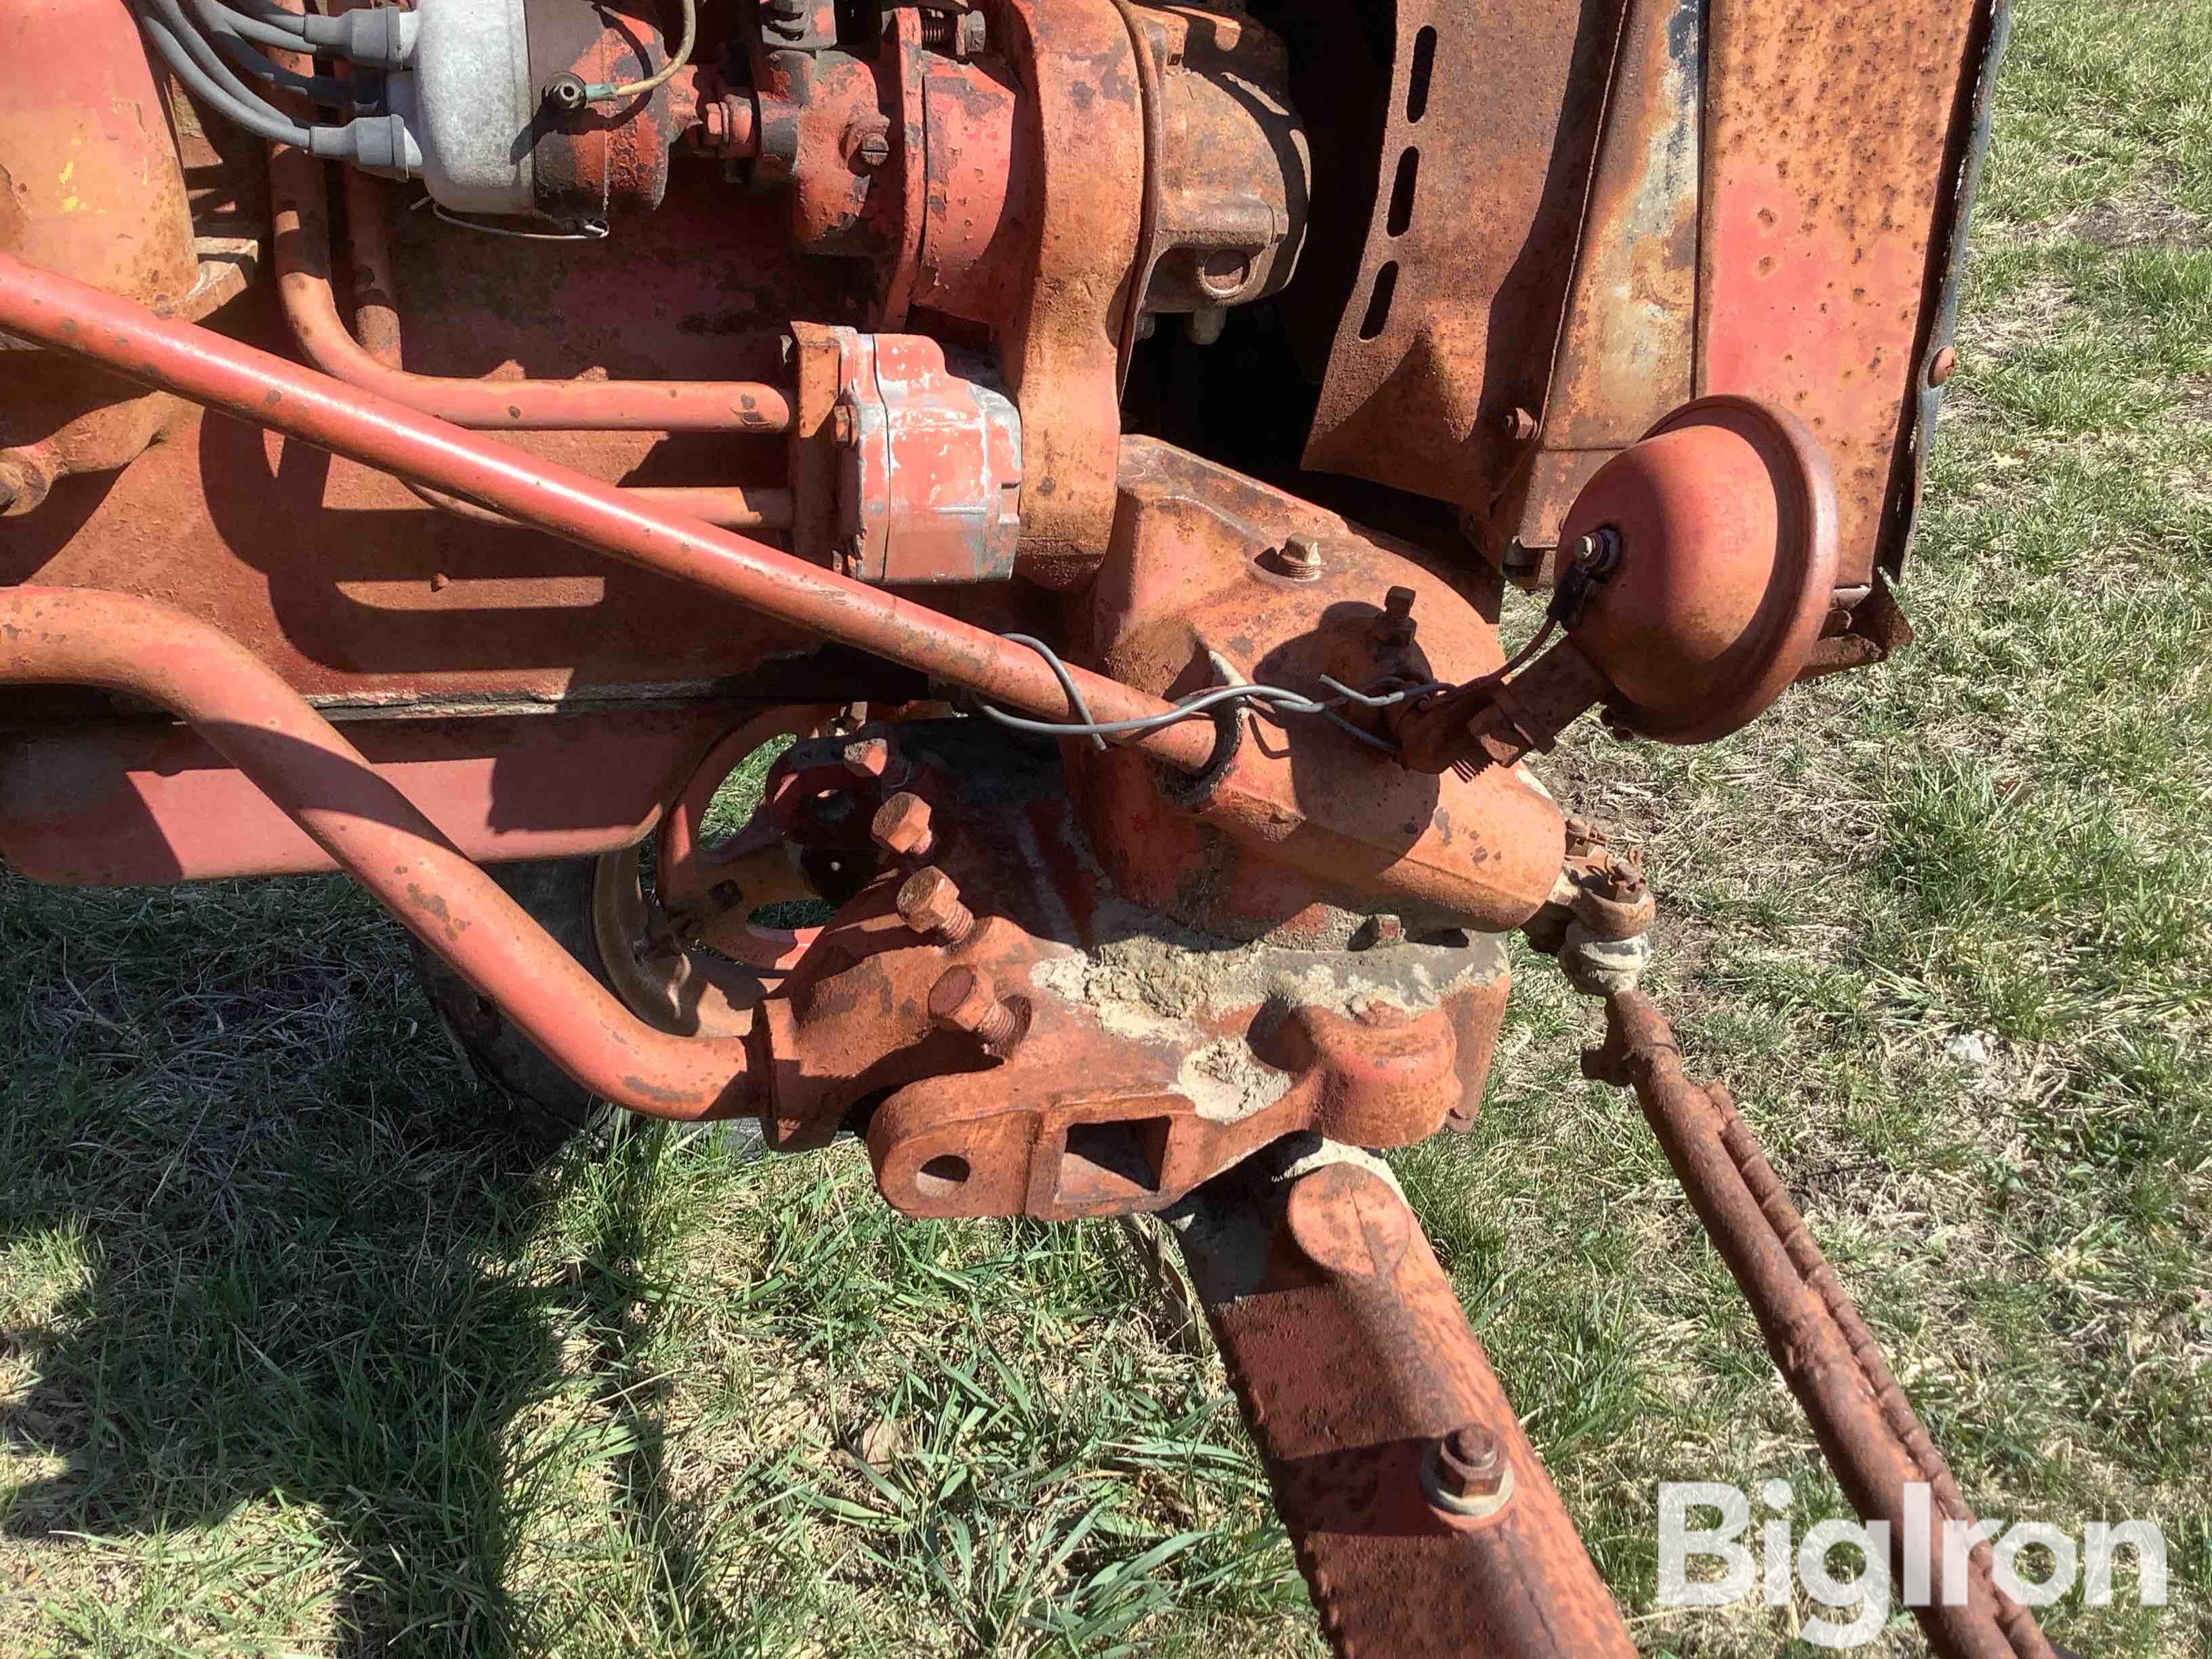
{"points": [[208, 52]]}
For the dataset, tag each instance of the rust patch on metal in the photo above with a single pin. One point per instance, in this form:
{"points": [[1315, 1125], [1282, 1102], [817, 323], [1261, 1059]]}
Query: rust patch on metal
{"points": [[1626, 345], [1453, 321], [1828, 135]]}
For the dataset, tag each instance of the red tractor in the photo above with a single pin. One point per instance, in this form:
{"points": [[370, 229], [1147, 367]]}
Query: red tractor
{"points": [[1079, 447]]}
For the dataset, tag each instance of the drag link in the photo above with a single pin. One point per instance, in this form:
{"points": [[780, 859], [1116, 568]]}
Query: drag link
{"points": [[1866, 1428]]}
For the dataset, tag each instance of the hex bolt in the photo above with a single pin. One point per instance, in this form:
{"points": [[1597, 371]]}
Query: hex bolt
{"points": [[870, 758], [965, 999], [1470, 1463], [1396, 625], [1583, 833], [1520, 425], [1940, 370], [902, 827], [929, 902], [1300, 558], [975, 33]]}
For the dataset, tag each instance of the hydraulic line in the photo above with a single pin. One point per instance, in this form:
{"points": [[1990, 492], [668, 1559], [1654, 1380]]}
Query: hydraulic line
{"points": [[243, 708], [206, 367], [304, 283], [376, 334]]}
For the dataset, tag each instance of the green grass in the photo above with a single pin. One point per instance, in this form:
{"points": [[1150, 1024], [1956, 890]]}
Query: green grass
{"points": [[297, 1355]]}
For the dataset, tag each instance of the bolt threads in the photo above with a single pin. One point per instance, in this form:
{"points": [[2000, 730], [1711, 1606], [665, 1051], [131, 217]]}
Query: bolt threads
{"points": [[1301, 557], [940, 30]]}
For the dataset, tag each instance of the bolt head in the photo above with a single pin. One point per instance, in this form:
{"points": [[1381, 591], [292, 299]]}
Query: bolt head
{"points": [[902, 825], [870, 758], [1520, 425], [1940, 370], [963, 999], [867, 145], [1623, 878], [927, 900], [1395, 627], [1470, 1462]]}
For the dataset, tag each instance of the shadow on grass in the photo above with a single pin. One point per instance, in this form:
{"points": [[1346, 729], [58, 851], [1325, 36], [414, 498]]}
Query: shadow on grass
{"points": [[262, 1244]]}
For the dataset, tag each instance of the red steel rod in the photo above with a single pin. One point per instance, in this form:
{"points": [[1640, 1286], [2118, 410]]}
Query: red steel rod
{"points": [[302, 236], [207, 368], [731, 506], [119, 642]]}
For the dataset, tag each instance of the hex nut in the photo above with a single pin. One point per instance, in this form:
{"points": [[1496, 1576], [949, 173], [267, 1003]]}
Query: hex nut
{"points": [[1467, 1474], [870, 758]]}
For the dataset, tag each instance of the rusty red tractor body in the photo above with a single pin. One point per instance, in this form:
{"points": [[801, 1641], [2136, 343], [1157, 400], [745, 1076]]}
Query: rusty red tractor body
{"points": [[1085, 443]]}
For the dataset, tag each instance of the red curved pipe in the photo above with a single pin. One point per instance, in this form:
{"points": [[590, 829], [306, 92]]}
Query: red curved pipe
{"points": [[302, 237], [208, 368], [119, 642]]}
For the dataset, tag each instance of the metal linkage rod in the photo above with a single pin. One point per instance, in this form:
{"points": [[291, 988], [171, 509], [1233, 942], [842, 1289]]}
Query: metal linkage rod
{"points": [[208, 369], [1866, 1426]]}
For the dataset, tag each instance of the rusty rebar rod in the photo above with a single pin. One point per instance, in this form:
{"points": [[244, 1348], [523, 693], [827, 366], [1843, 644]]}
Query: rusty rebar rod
{"points": [[207, 368], [1866, 1426]]}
